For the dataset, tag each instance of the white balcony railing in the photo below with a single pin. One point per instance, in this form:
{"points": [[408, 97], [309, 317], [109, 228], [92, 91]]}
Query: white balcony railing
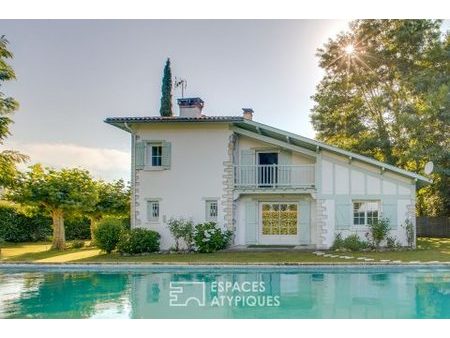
{"points": [[274, 176]]}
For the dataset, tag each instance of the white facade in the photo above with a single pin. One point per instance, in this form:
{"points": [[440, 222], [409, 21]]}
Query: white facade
{"points": [[347, 181], [270, 187], [195, 175]]}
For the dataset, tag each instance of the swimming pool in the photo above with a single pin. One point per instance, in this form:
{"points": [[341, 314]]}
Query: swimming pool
{"points": [[224, 292]]}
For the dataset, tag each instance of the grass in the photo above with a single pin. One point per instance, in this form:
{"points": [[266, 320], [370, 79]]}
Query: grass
{"points": [[40, 252], [429, 249], [274, 257], [10, 250]]}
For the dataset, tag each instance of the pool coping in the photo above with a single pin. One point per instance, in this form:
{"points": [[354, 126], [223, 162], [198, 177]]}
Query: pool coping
{"points": [[145, 267], [341, 263]]}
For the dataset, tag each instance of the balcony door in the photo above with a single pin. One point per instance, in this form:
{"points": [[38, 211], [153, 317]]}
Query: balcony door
{"points": [[267, 169]]}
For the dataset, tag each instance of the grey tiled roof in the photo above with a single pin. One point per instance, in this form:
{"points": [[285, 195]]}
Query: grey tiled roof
{"points": [[112, 120], [264, 131]]}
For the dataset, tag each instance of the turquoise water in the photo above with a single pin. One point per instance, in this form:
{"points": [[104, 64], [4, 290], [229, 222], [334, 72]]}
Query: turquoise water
{"points": [[305, 292]]}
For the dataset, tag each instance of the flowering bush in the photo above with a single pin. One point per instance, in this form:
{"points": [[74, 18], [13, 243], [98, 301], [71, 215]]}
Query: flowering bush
{"points": [[208, 237], [182, 230]]}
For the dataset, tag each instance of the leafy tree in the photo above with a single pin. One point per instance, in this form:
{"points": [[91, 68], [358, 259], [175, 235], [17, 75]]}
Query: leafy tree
{"points": [[385, 94], [166, 89], [8, 158], [113, 200], [60, 192]]}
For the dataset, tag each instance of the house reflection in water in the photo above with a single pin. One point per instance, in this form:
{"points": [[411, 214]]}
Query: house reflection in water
{"points": [[301, 295], [357, 294]]}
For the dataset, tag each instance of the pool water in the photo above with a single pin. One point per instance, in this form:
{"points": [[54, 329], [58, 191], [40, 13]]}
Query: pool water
{"points": [[202, 292]]}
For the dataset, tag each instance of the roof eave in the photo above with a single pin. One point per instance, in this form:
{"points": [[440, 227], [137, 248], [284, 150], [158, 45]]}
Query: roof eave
{"points": [[118, 125], [321, 145], [125, 123]]}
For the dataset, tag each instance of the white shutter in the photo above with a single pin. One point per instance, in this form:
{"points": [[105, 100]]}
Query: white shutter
{"points": [[247, 169], [166, 154], [139, 155], [343, 214], [251, 221]]}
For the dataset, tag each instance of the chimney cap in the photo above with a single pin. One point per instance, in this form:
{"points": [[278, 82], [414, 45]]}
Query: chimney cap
{"points": [[190, 101], [248, 113], [190, 106]]}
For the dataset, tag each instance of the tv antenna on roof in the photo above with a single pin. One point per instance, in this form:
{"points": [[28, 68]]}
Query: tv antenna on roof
{"points": [[180, 83]]}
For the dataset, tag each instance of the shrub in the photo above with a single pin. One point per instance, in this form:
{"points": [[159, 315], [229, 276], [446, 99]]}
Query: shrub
{"points": [[77, 244], [19, 225], [352, 243], [182, 229], [410, 233], [392, 243], [126, 221], [338, 242], [137, 241], [210, 238], [379, 231], [107, 233]]}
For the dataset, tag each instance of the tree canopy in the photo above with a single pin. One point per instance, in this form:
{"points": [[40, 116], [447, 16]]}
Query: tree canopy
{"points": [[8, 105], [113, 199], [166, 91], [385, 94], [59, 192]]}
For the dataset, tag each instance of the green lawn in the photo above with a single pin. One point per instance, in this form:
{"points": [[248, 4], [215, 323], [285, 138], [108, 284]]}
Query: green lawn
{"points": [[41, 251], [429, 249]]}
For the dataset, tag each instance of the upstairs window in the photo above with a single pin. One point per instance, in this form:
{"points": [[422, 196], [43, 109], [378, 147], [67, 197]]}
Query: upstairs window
{"points": [[365, 212], [155, 155], [211, 210]]}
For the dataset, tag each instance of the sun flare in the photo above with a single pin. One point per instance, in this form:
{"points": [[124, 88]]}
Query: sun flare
{"points": [[349, 49]]}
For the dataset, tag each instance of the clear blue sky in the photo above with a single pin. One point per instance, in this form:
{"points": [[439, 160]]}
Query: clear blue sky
{"points": [[73, 74]]}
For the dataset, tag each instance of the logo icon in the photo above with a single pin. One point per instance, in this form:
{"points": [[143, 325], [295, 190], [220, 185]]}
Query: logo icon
{"points": [[185, 293]]}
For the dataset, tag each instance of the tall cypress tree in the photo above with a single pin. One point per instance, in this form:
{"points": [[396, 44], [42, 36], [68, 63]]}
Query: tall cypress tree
{"points": [[166, 91]]}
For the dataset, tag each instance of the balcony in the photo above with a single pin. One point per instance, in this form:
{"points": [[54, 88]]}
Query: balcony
{"points": [[274, 176]]}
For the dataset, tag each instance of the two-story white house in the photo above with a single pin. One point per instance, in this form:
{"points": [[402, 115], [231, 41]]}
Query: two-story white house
{"points": [[269, 186]]}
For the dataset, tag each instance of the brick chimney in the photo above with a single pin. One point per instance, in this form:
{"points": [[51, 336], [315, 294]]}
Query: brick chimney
{"points": [[191, 107], [247, 113]]}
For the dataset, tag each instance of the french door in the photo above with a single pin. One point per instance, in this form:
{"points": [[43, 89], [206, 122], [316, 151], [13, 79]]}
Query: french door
{"points": [[279, 223]]}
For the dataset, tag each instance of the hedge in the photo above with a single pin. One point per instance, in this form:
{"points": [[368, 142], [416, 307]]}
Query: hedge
{"points": [[77, 228], [15, 226], [18, 226]]}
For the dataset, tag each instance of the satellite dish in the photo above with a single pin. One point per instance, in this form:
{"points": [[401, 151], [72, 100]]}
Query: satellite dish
{"points": [[429, 166]]}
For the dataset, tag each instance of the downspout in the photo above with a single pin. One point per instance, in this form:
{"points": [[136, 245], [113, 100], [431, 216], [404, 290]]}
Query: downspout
{"points": [[133, 177]]}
